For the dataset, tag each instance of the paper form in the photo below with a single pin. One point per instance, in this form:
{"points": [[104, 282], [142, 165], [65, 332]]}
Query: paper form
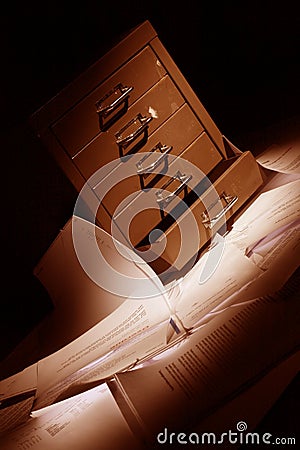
{"points": [[21, 382], [81, 363], [233, 272], [17, 394], [89, 421], [271, 210], [219, 359], [274, 215]]}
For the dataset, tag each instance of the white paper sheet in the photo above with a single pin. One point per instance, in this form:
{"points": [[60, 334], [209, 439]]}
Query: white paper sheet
{"points": [[271, 210], [233, 272], [17, 394], [100, 280], [184, 384], [283, 158], [19, 383], [81, 363], [89, 421]]}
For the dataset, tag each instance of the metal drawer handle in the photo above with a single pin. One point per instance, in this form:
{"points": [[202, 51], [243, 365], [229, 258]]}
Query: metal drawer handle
{"points": [[124, 142], [164, 201], [164, 149], [230, 200], [104, 110]]}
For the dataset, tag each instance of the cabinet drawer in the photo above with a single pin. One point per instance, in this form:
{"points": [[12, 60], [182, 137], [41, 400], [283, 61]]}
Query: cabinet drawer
{"points": [[144, 212], [239, 182], [178, 240], [157, 105], [81, 124], [173, 142]]}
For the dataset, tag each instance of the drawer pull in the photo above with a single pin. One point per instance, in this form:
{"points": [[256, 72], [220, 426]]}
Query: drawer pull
{"points": [[124, 142], [104, 110], [164, 149], [164, 201], [230, 200]]}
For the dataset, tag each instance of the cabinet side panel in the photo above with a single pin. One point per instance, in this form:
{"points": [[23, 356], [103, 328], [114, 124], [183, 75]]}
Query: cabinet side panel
{"points": [[188, 93]]}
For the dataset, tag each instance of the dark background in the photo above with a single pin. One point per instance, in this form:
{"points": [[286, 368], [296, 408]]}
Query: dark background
{"points": [[241, 58]]}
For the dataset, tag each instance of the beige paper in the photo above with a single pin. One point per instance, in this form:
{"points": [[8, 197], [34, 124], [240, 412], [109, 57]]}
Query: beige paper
{"points": [[89, 421]]}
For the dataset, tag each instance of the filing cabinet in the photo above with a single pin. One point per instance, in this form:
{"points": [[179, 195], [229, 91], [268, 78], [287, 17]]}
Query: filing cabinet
{"points": [[154, 166]]}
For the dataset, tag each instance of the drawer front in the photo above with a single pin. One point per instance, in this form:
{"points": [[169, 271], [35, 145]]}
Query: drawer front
{"points": [[157, 105], [80, 125], [189, 234], [173, 143], [144, 212]]}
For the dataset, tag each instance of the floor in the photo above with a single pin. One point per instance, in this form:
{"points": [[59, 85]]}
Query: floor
{"points": [[244, 71]]}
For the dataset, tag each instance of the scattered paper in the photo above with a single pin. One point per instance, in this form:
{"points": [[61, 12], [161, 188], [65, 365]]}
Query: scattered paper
{"points": [[283, 158], [89, 421], [271, 210], [233, 272], [17, 394]]}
